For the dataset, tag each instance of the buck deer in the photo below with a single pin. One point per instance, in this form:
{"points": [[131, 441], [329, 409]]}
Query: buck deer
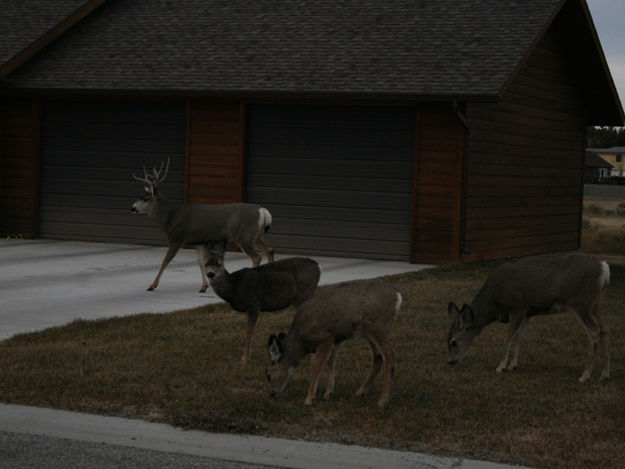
{"points": [[539, 285], [348, 310], [192, 225], [268, 287]]}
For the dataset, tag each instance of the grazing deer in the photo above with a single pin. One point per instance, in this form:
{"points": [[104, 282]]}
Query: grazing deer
{"points": [[192, 225], [268, 287], [539, 285], [348, 310]]}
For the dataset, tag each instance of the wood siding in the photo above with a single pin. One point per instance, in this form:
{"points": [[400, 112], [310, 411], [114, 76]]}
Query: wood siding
{"points": [[438, 183], [215, 145], [526, 163], [19, 170]]}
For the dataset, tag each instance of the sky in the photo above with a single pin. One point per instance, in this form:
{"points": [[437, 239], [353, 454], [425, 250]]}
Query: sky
{"points": [[609, 19]]}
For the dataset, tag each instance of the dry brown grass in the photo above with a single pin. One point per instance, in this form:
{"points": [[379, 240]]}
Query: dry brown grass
{"points": [[183, 368]]}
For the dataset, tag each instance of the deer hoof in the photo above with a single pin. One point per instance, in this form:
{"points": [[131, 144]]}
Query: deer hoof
{"points": [[308, 402], [202, 290], [584, 378], [328, 395], [150, 288]]}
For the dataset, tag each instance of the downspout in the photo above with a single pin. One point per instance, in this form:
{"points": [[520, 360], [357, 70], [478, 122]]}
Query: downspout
{"points": [[465, 179]]}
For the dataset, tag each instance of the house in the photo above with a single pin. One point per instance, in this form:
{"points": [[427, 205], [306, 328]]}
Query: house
{"points": [[596, 168], [410, 130], [615, 157]]}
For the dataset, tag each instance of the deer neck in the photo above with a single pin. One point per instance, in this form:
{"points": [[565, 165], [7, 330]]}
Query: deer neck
{"points": [[223, 285], [295, 349], [161, 211]]}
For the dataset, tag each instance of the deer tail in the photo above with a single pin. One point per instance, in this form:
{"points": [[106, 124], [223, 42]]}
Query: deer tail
{"points": [[604, 277], [265, 219]]}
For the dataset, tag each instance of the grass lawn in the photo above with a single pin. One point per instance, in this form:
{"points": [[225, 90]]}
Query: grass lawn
{"points": [[183, 368]]}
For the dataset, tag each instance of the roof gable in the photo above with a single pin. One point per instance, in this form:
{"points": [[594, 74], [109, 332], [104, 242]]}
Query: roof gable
{"points": [[30, 25]]}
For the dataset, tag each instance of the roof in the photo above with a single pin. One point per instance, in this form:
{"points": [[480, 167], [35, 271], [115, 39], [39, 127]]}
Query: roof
{"points": [[443, 49], [592, 160], [29, 25], [608, 150]]}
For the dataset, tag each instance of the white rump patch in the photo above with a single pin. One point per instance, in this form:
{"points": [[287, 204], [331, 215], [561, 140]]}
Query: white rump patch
{"points": [[400, 300], [265, 218], [604, 278]]}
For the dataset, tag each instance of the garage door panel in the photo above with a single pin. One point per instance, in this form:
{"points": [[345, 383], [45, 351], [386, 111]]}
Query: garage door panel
{"points": [[340, 228], [334, 167], [329, 198], [343, 117], [380, 185], [338, 180], [314, 214], [89, 152], [326, 152], [341, 247]]}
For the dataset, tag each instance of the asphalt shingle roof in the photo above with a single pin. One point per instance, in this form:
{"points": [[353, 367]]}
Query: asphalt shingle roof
{"points": [[360, 47], [23, 22]]}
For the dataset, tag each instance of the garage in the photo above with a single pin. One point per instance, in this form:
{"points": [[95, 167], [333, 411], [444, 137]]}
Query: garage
{"points": [[337, 179], [89, 151]]}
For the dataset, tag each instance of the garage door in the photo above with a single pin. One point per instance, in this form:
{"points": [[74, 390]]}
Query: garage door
{"points": [[88, 155], [338, 180]]}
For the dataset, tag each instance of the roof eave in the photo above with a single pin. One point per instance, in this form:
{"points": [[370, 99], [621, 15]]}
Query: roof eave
{"points": [[58, 30], [261, 95]]}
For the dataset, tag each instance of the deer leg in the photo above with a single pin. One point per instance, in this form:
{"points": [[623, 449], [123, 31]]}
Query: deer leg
{"points": [[172, 250], [324, 349], [252, 317], [251, 252], [376, 364], [200, 260], [331, 373], [593, 329], [516, 321], [604, 338], [260, 245], [516, 343]]}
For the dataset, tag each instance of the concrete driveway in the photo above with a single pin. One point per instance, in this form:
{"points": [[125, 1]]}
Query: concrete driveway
{"points": [[45, 283]]}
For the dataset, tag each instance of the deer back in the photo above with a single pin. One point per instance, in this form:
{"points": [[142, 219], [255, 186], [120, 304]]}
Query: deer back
{"points": [[273, 286], [198, 223], [541, 285], [342, 310]]}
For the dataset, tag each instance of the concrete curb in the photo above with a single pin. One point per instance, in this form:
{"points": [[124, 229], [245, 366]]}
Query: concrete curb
{"points": [[247, 449]]}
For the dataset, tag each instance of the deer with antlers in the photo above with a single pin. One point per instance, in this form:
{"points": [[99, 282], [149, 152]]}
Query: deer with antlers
{"points": [[193, 225]]}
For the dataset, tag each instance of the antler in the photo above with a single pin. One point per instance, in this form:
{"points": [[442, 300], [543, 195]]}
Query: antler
{"points": [[155, 179]]}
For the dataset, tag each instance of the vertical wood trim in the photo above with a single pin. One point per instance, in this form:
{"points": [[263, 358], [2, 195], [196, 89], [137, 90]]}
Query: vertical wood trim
{"points": [[242, 149], [455, 247], [37, 123], [415, 188], [187, 150]]}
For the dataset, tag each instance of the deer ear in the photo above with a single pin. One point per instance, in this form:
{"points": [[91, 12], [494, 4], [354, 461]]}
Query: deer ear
{"points": [[453, 310], [466, 316], [274, 349]]}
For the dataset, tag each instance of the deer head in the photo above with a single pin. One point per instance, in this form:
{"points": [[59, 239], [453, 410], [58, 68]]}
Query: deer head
{"points": [[460, 336], [279, 371], [214, 258], [152, 182]]}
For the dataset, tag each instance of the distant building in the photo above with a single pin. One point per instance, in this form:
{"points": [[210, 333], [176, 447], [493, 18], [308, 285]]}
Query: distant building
{"points": [[614, 156], [595, 168]]}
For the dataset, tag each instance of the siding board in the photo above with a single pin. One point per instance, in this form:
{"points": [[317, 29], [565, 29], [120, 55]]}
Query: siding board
{"points": [[524, 194]]}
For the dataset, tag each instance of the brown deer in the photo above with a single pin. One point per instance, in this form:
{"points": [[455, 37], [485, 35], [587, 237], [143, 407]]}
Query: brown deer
{"points": [[534, 286], [361, 308], [267, 287], [192, 225]]}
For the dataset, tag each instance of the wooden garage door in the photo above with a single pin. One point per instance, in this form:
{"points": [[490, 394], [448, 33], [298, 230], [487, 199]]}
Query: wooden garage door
{"points": [[89, 151], [337, 179]]}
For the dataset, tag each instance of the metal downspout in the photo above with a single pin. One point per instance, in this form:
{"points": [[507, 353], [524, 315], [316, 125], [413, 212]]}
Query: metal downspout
{"points": [[465, 179]]}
